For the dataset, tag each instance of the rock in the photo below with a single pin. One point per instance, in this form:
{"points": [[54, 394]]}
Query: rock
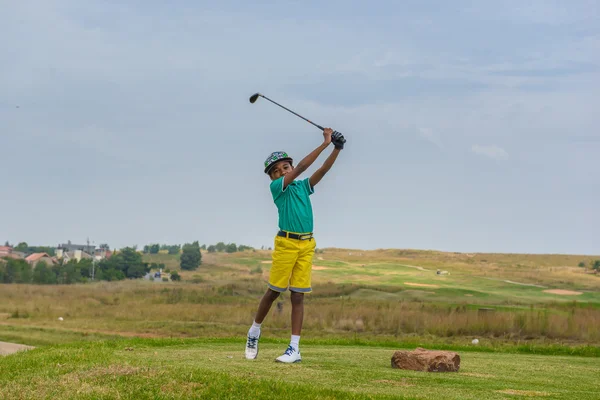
{"points": [[426, 360]]}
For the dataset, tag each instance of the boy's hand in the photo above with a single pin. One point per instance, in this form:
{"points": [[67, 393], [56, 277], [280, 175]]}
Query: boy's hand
{"points": [[327, 132], [338, 140]]}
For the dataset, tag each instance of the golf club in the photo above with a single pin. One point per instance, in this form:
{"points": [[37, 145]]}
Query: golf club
{"points": [[254, 97]]}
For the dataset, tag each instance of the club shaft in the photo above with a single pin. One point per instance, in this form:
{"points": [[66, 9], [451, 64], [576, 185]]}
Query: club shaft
{"points": [[296, 114]]}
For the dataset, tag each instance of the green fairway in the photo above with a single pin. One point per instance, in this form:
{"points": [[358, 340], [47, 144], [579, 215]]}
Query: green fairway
{"points": [[216, 369]]}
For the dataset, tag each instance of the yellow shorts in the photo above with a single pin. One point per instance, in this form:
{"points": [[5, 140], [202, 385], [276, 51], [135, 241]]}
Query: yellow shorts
{"points": [[292, 265]]}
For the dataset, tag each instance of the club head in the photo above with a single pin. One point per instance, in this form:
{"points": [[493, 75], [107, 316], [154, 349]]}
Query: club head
{"points": [[254, 97]]}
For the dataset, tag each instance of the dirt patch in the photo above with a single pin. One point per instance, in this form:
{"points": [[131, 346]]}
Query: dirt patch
{"points": [[469, 295], [563, 292], [320, 258], [318, 268], [526, 393], [421, 285], [10, 348], [266, 262]]}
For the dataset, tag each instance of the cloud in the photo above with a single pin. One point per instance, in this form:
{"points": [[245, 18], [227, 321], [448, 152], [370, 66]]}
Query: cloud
{"points": [[431, 137], [493, 151]]}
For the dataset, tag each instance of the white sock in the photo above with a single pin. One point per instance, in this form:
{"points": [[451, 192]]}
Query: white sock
{"points": [[254, 329], [295, 343]]}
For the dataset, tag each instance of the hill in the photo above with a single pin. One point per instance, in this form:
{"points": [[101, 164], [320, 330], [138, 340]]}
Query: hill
{"points": [[372, 295]]}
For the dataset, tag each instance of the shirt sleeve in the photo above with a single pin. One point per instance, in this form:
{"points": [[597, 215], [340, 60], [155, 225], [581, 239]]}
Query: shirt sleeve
{"points": [[310, 190], [277, 188]]}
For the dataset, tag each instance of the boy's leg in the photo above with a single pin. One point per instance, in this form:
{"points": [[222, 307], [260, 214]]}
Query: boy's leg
{"points": [[292, 353], [300, 283], [284, 259], [265, 305], [297, 312], [254, 332]]}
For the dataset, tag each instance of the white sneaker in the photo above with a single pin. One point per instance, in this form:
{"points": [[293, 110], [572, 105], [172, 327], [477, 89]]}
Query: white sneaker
{"points": [[252, 347], [291, 355]]}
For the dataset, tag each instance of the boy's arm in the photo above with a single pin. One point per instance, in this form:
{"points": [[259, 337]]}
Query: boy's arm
{"points": [[309, 159], [320, 173]]}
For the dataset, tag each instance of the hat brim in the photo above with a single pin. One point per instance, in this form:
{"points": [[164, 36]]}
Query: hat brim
{"points": [[270, 167]]}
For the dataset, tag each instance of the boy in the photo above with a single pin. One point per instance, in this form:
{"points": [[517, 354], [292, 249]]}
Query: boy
{"points": [[294, 243]]}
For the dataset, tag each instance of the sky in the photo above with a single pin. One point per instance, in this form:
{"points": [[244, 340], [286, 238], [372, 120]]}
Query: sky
{"points": [[471, 126]]}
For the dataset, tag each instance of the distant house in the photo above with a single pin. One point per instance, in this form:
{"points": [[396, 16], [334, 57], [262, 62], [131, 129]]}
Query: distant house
{"points": [[101, 254], [66, 247], [35, 258], [72, 255], [8, 252]]}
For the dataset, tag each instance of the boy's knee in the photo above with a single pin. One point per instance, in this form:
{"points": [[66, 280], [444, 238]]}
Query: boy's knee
{"points": [[273, 295], [297, 298]]}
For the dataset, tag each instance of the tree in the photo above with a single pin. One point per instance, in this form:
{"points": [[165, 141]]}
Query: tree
{"points": [[22, 247], [191, 258], [70, 273], [175, 249], [211, 249], [175, 276], [231, 248], [85, 267], [203, 247], [137, 271], [43, 275], [104, 246], [17, 271], [127, 263], [154, 248], [220, 247], [596, 265], [582, 264]]}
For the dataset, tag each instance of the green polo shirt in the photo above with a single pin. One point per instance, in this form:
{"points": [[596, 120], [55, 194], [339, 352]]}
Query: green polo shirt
{"points": [[293, 204]]}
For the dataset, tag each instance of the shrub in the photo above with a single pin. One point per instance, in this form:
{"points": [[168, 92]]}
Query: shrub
{"points": [[257, 270], [191, 258], [22, 314], [175, 276]]}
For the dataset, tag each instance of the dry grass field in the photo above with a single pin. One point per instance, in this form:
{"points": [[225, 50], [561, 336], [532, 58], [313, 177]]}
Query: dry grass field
{"points": [[371, 295]]}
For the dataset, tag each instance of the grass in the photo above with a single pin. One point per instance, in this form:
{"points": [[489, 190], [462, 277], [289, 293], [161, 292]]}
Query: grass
{"points": [[190, 310], [370, 294], [137, 339], [202, 368], [40, 336], [171, 261]]}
